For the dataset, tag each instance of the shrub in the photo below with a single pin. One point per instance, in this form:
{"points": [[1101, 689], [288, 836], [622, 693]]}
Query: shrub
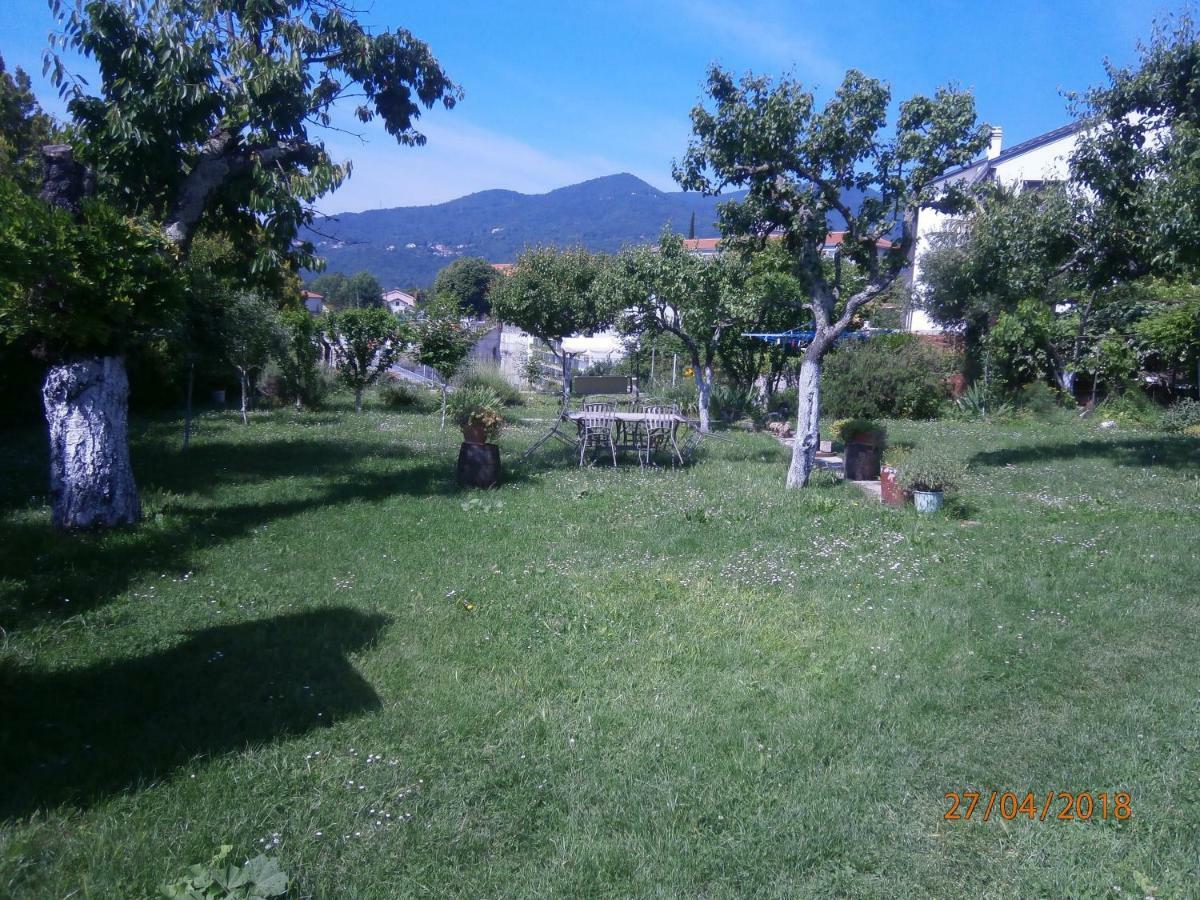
{"points": [[979, 401], [1039, 399], [930, 469], [258, 879], [487, 377], [684, 396], [892, 377], [1131, 407], [848, 428], [1181, 416], [729, 404], [400, 394]]}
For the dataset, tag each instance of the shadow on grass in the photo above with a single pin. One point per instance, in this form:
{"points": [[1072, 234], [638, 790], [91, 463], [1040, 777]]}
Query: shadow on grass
{"points": [[47, 574], [80, 735], [1171, 452]]}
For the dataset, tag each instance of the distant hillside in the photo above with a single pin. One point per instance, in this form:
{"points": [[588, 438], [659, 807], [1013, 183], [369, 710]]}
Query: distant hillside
{"points": [[408, 245]]}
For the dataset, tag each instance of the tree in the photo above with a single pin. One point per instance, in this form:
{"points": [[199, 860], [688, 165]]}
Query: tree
{"points": [[1140, 159], [552, 294], [366, 342], [82, 287], [363, 291], [668, 290], [467, 282], [204, 114], [24, 130], [796, 163], [297, 352], [250, 329], [443, 341], [1171, 332]]}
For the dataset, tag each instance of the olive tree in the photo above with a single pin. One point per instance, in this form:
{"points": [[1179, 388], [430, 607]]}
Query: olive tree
{"points": [[208, 112], [797, 161]]}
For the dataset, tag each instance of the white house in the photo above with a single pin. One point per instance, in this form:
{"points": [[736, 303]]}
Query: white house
{"points": [[1032, 163], [398, 301]]}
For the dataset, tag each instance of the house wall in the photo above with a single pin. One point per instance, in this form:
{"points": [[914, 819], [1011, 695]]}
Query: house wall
{"points": [[1049, 162]]}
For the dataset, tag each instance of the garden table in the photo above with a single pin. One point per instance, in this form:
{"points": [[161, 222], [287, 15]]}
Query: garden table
{"points": [[626, 423]]}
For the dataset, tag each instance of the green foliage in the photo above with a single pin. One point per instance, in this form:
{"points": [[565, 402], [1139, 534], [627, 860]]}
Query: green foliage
{"points": [[931, 468], [551, 294], [846, 429], [203, 110], [24, 129], [260, 878], [99, 284], [1171, 331], [683, 395], [881, 378], [1039, 400], [357, 291], [466, 283], [1142, 164], [1180, 416], [250, 326], [1131, 407], [489, 377], [796, 160], [443, 341], [367, 342], [396, 393], [980, 400], [297, 352]]}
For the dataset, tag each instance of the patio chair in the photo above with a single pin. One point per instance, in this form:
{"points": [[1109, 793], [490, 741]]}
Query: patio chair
{"points": [[657, 432], [597, 427]]}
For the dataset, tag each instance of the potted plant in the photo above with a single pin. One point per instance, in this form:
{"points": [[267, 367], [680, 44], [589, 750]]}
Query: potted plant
{"points": [[863, 440], [889, 483], [476, 410], [929, 472]]}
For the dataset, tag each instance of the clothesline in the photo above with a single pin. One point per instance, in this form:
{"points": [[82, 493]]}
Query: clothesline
{"points": [[798, 336]]}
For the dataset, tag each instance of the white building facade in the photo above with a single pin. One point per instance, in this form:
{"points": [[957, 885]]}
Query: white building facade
{"points": [[1030, 164]]}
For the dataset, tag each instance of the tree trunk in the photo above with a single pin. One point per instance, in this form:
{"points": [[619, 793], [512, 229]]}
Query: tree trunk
{"points": [[808, 421], [445, 388], [187, 406], [358, 395], [91, 479], [704, 392], [244, 378], [566, 377]]}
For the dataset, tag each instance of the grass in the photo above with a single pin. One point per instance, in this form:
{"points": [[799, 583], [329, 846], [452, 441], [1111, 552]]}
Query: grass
{"points": [[596, 682]]}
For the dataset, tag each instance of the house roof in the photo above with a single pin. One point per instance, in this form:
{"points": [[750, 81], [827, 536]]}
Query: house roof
{"points": [[504, 268], [701, 244], [1016, 150], [312, 295]]}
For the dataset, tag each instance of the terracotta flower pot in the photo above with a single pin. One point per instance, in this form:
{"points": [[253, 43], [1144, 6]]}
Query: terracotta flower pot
{"points": [[889, 487], [474, 434]]}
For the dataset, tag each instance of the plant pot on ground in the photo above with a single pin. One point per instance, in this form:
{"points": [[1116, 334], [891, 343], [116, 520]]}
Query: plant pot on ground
{"points": [[889, 475], [929, 472], [476, 410]]}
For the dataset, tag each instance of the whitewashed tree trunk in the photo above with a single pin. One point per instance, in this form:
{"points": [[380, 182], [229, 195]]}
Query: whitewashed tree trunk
{"points": [[808, 423], [704, 393], [358, 395], [245, 383], [91, 479]]}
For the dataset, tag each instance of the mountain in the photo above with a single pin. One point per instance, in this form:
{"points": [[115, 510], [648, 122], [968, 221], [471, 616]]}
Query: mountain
{"points": [[408, 245]]}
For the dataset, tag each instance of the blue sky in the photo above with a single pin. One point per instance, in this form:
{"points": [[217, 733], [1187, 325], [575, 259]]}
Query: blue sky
{"points": [[559, 92]]}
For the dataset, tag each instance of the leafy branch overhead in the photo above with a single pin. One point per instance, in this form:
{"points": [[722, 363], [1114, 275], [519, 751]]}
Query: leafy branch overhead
{"points": [[210, 107]]}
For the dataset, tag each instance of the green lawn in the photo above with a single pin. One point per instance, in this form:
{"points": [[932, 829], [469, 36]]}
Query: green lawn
{"points": [[597, 683]]}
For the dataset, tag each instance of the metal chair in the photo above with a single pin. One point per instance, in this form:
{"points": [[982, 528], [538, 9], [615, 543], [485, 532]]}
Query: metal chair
{"points": [[597, 427], [656, 432]]}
